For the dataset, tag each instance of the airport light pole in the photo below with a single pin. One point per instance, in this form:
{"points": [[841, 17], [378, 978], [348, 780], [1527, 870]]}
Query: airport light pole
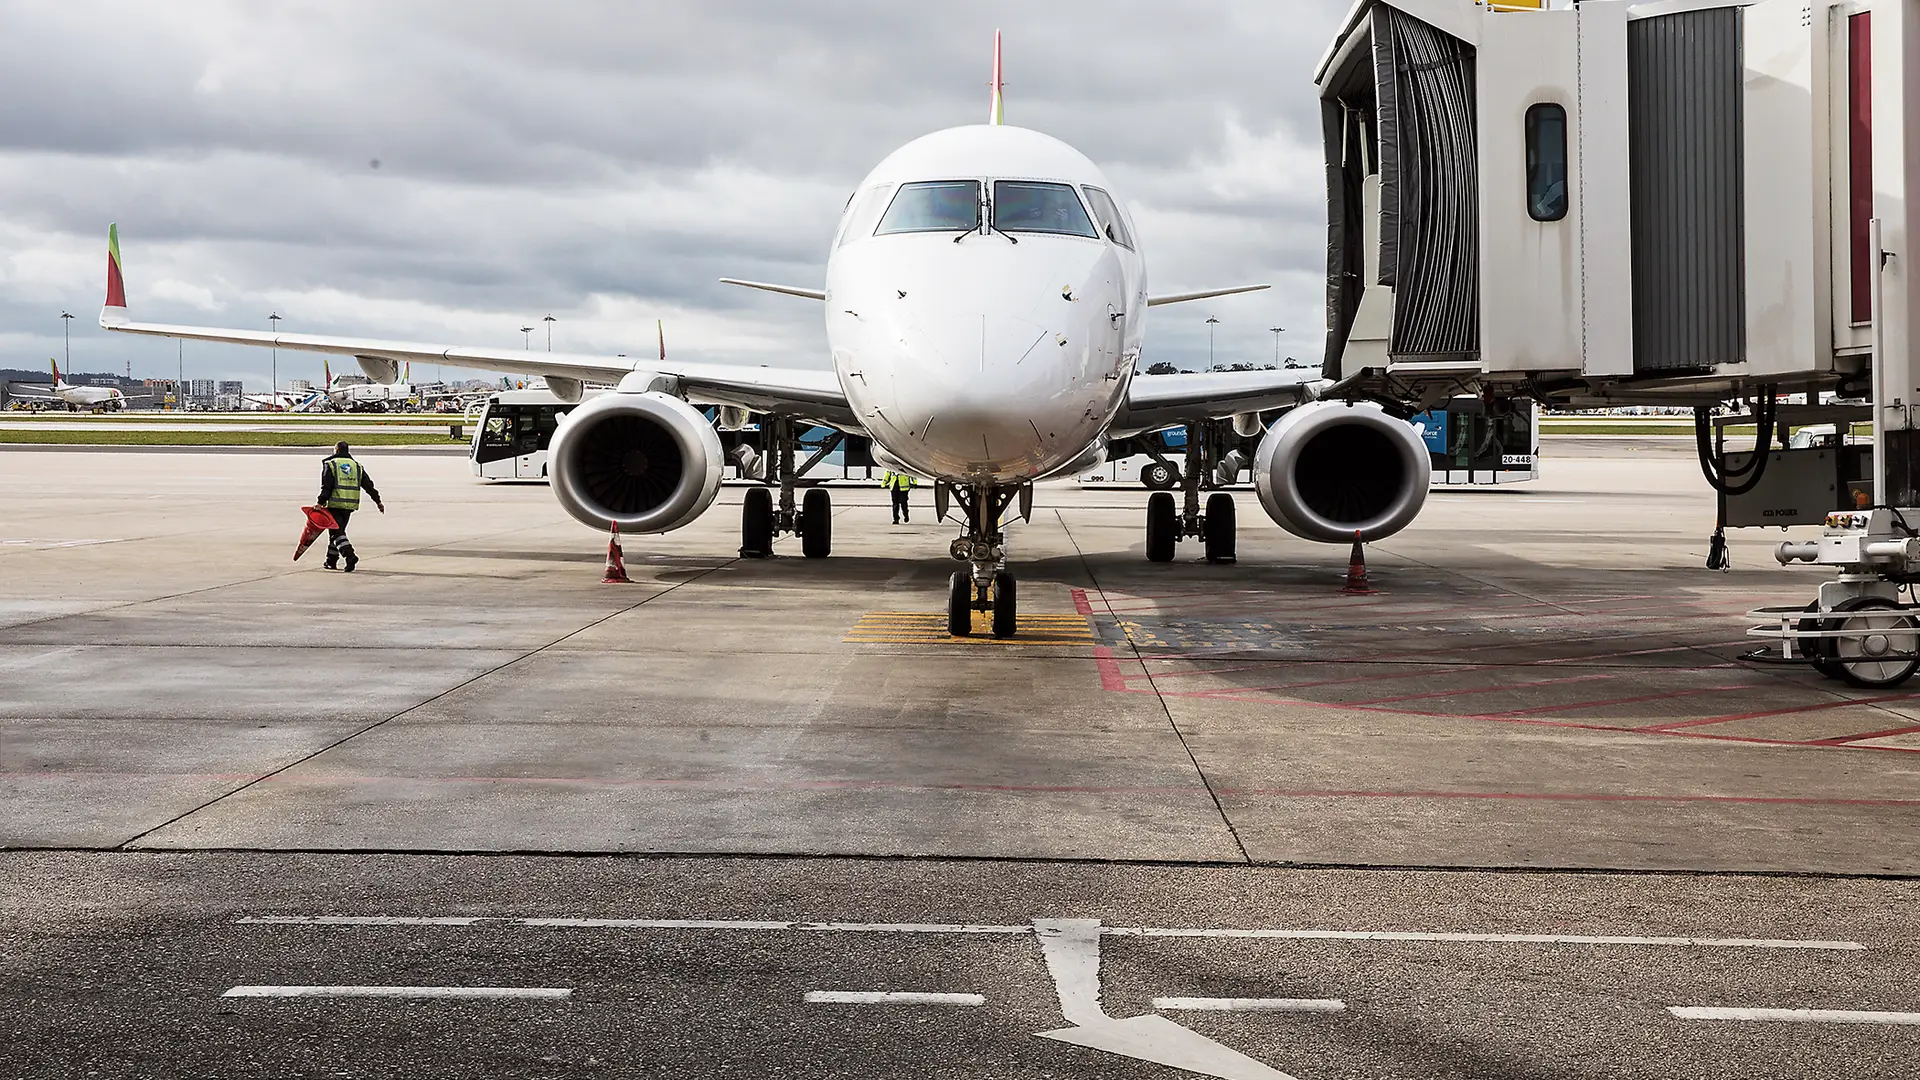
{"points": [[1211, 323], [274, 321], [1276, 331], [66, 330], [549, 320], [526, 337]]}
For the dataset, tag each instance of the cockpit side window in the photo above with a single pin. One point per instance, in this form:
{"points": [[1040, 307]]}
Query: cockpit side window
{"points": [[1032, 206], [1108, 214], [933, 206], [866, 207]]}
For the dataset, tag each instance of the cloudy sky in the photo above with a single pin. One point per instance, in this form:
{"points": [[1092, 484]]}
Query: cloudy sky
{"points": [[606, 162]]}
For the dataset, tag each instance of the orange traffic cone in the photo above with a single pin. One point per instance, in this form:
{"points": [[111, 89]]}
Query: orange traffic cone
{"points": [[1357, 570], [616, 567]]}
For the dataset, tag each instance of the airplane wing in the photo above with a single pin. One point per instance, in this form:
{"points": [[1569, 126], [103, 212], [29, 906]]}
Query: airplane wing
{"points": [[813, 394], [1157, 401]]}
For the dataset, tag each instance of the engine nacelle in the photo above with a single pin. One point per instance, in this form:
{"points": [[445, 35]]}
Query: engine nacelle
{"points": [[648, 461], [1329, 469]]}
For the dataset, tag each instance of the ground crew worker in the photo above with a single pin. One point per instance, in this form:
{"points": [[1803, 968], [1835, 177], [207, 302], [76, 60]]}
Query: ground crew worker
{"points": [[899, 484], [342, 479]]}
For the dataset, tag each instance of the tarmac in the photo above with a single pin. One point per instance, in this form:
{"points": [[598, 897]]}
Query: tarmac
{"points": [[1510, 811]]}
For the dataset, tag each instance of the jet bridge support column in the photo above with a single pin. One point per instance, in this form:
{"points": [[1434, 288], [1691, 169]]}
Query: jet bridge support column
{"points": [[1896, 161]]}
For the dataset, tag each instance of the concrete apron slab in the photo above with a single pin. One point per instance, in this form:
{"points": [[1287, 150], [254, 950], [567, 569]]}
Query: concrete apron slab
{"points": [[1543, 680]]}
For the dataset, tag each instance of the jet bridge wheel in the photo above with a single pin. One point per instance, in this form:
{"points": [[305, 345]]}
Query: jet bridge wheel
{"points": [[816, 524], [1220, 528], [960, 604], [1819, 651], [1888, 651], [1005, 605], [756, 524], [1163, 527]]}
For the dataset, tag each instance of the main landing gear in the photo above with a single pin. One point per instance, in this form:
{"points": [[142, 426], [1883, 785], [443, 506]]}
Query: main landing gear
{"points": [[988, 585], [1217, 527], [811, 519]]}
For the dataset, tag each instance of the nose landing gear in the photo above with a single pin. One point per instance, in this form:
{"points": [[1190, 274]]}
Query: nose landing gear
{"points": [[988, 585]]}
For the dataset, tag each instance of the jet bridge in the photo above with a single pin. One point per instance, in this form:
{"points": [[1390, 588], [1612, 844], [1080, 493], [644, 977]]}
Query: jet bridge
{"points": [[1687, 201], [1617, 203]]}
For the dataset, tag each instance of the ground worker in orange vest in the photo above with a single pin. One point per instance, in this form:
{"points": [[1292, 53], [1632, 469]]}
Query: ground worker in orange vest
{"points": [[899, 484]]}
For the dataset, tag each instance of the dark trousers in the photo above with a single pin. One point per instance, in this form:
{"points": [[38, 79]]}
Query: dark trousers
{"points": [[901, 511], [337, 543]]}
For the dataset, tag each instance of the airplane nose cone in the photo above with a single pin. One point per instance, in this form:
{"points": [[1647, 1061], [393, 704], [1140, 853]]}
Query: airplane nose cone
{"points": [[1002, 358]]}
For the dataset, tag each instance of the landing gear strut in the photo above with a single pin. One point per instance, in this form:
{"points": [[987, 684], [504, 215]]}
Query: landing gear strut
{"points": [[1209, 463], [988, 585], [811, 519]]}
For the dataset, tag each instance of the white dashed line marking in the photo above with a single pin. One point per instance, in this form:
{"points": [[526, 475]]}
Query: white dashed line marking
{"points": [[1209, 1004], [1797, 1016], [544, 993], [890, 997]]}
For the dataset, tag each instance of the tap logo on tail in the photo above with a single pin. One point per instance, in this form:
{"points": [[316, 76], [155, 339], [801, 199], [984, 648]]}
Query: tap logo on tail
{"points": [[116, 285], [993, 116]]}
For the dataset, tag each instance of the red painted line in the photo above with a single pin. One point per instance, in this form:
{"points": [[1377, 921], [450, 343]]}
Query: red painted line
{"points": [[1842, 740], [1490, 688], [1644, 652], [1110, 676], [1620, 701], [1837, 703], [1558, 796]]}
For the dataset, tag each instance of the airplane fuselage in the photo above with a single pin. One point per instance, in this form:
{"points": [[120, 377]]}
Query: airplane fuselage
{"points": [[985, 299]]}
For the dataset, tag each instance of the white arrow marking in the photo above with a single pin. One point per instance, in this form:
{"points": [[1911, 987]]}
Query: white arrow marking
{"points": [[1072, 951]]}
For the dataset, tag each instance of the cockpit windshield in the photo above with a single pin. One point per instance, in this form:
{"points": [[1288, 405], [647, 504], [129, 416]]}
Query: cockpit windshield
{"points": [[933, 206], [1034, 207]]}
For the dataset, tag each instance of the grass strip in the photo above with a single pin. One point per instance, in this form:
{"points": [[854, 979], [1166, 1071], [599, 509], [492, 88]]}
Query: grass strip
{"points": [[223, 438]]}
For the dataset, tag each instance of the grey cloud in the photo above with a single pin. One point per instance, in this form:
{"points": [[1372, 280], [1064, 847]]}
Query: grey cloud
{"points": [[554, 156]]}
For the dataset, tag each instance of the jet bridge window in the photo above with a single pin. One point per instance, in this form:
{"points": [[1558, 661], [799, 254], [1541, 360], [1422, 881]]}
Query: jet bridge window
{"points": [[1108, 214], [1028, 206], [1547, 162], [933, 206]]}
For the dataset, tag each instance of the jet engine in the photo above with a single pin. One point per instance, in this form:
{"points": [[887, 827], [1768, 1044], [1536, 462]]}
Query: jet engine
{"points": [[1329, 469], [648, 461]]}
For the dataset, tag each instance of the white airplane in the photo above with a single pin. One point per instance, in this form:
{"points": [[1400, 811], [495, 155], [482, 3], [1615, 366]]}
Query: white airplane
{"points": [[985, 301], [96, 398]]}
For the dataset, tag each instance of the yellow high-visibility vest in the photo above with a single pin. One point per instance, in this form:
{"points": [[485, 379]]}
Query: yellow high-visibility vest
{"points": [[346, 484]]}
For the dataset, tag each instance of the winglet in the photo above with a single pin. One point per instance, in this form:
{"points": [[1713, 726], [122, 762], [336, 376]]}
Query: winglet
{"points": [[661, 325], [114, 312], [993, 116]]}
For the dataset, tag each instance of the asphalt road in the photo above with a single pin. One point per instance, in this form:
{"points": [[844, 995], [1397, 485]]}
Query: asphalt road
{"points": [[115, 965]]}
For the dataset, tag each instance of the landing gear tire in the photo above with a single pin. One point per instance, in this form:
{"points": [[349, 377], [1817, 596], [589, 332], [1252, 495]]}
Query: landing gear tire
{"points": [[1163, 526], [1220, 528], [1159, 476], [1005, 605], [816, 524], [1886, 655], [756, 524], [960, 604]]}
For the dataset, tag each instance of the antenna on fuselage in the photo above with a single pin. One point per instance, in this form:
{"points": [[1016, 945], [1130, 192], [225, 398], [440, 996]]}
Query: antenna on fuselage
{"points": [[993, 116]]}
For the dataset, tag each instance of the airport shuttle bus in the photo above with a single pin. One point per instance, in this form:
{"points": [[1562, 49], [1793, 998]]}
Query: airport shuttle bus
{"points": [[510, 442], [515, 428]]}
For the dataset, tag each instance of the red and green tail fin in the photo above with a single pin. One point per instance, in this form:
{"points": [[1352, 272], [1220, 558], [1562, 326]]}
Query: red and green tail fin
{"points": [[326, 375], [55, 364], [994, 111], [116, 284]]}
